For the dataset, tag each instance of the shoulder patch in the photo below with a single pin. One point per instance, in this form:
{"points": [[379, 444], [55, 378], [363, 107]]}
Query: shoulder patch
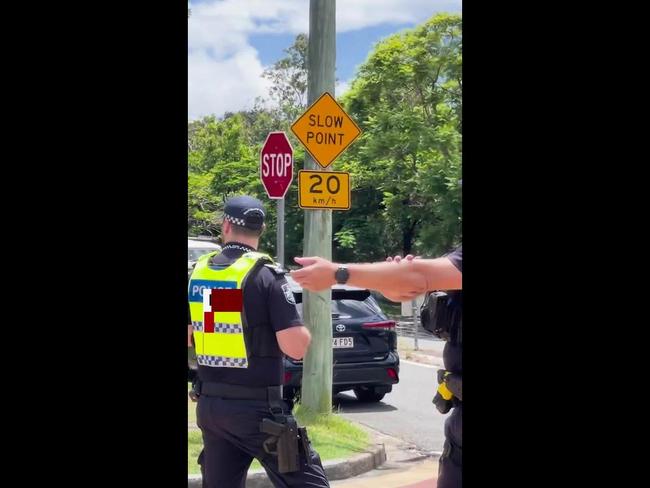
{"points": [[277, 270], [288, 294]]}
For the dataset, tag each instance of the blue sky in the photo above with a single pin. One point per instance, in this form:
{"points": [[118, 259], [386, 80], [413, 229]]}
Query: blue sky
{"points": [[352, 47], [232, 41]]}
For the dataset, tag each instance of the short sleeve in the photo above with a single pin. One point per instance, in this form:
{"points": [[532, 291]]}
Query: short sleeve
{"points": [[456, 258], [282, 305]]}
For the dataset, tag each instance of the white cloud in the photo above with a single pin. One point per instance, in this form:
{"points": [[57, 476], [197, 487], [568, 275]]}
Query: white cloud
{"points": [[341, 87], [359, 14], [229, 84], [225, 70]]}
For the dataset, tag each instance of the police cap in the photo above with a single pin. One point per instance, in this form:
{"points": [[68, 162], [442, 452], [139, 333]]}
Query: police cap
{"points": [[245, 211]]}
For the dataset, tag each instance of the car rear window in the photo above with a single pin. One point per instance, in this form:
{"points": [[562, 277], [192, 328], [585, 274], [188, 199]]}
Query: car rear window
{"points": [[354, 309]]}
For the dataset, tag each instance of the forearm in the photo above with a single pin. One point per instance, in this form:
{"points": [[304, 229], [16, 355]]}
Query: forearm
{"points": [[294, 341], [406, 279], [389, 278]]}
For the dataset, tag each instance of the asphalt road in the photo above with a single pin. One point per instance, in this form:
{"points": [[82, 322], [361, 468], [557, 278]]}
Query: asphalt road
{"points": [[406, 412]]}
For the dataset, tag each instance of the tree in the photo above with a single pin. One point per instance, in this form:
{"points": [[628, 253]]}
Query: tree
{"points": [[223, 160], [289, 79], [407, 99]]}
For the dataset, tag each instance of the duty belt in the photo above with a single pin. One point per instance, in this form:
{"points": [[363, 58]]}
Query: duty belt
{"points": [[241, 392]]}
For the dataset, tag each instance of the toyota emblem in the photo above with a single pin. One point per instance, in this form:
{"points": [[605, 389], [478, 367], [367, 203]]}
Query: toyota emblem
{"points": [[340, 328]]}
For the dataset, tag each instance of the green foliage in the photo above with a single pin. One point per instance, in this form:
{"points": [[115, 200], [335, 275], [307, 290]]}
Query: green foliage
{"points": [[289, 78], [407, 99], [223, 160], [405, 167]]}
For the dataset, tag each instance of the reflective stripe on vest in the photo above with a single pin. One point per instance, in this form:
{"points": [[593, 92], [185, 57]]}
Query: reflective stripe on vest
{"points": [[219, 340]]}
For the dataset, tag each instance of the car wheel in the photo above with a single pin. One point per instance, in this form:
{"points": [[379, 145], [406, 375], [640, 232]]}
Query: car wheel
{"points": [[368, 395]]}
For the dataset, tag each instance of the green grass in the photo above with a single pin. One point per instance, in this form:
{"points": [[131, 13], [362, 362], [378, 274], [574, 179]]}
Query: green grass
{"points": [[332, 436]]}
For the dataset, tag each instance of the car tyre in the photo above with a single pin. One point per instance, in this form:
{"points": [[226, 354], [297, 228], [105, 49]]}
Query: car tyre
{"points": [[368, 395]]}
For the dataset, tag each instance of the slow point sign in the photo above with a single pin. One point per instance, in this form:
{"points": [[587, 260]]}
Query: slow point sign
{"points": [[325, 130], [324, 190]]}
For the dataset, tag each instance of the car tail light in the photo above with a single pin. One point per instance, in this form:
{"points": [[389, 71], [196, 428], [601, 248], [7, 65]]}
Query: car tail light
{"points": [[387, 325], [287, 377], [392, 373]]}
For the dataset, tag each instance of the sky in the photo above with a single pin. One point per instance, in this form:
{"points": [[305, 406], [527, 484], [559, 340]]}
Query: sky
{"points": [[231, 42]]}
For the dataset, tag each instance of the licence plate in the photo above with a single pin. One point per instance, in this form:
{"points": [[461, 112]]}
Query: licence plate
{"points": [[342, 342]]}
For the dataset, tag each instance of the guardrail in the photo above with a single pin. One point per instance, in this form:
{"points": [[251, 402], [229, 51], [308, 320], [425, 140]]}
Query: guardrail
{"points": [[405, 327]]}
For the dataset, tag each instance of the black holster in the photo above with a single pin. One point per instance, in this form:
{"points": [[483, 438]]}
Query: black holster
{"points": [[195, 392], [441, 404], [286, 442], [454, 383]]}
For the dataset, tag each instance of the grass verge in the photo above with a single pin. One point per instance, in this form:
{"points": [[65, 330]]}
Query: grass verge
{"points": [[332, 436]]}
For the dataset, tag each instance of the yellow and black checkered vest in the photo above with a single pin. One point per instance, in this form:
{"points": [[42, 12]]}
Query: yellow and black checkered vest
{"points": [[225, 340]]}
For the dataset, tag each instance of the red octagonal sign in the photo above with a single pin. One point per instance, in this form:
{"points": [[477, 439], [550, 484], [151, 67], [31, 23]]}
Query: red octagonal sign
{"points": [[276, 164]]}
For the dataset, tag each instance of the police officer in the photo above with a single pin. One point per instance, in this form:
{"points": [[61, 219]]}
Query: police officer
{"points": [[402, 280], [442, 314], [244, 318]]}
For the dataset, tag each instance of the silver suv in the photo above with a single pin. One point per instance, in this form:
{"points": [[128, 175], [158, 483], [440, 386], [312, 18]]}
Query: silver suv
{"points": [[197, 247]]}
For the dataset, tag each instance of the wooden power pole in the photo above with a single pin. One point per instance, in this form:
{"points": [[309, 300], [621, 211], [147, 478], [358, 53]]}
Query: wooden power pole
{"points": [[317, 313]]}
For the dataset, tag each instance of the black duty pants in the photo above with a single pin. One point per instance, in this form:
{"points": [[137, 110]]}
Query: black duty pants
{"points": [[450, 473], [232, 438]]}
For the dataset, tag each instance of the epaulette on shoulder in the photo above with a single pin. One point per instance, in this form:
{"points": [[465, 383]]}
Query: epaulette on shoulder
{"points": [[277, 270]]}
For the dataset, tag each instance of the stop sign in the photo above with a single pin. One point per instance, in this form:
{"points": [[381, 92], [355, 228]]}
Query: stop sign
{"points": [[276, 164]]}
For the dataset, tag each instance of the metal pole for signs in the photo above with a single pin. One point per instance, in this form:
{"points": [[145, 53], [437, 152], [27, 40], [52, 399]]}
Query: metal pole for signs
{"points": [[414, 305], [317, 312], [280, 246]]}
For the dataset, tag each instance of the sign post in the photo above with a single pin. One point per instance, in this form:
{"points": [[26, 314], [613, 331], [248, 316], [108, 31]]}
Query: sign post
{"points": [[280, 235], [276, 172]]}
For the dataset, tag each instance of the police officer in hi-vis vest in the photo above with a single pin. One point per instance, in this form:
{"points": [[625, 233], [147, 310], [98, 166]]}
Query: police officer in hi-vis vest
{"points": [[244, 319]]}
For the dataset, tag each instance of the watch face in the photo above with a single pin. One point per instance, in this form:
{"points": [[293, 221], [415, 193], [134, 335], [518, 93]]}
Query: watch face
{"points": [[341, 275]]}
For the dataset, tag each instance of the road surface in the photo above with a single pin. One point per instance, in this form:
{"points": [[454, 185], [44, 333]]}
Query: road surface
{"points": [[406, 412]]}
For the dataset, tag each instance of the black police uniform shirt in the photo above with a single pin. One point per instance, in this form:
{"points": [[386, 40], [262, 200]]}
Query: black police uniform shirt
{"points": [[453, 353], [266, 305], [456, 258]]}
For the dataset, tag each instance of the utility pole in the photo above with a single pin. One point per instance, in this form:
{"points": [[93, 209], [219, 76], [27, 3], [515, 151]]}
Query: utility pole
{"points": [[317, 312]]}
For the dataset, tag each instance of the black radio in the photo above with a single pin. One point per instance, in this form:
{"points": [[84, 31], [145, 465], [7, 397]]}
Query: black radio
{"points": [[441, 314]]}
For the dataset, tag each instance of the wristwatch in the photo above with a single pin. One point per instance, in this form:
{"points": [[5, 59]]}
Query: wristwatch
{"points": [[342, 275]]}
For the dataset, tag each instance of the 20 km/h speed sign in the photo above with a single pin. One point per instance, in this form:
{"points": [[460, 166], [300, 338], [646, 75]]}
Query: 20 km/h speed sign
{"points": [[324, 189]]}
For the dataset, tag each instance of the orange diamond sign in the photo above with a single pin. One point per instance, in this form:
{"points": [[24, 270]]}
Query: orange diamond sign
{"points": [[325, 130]]}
